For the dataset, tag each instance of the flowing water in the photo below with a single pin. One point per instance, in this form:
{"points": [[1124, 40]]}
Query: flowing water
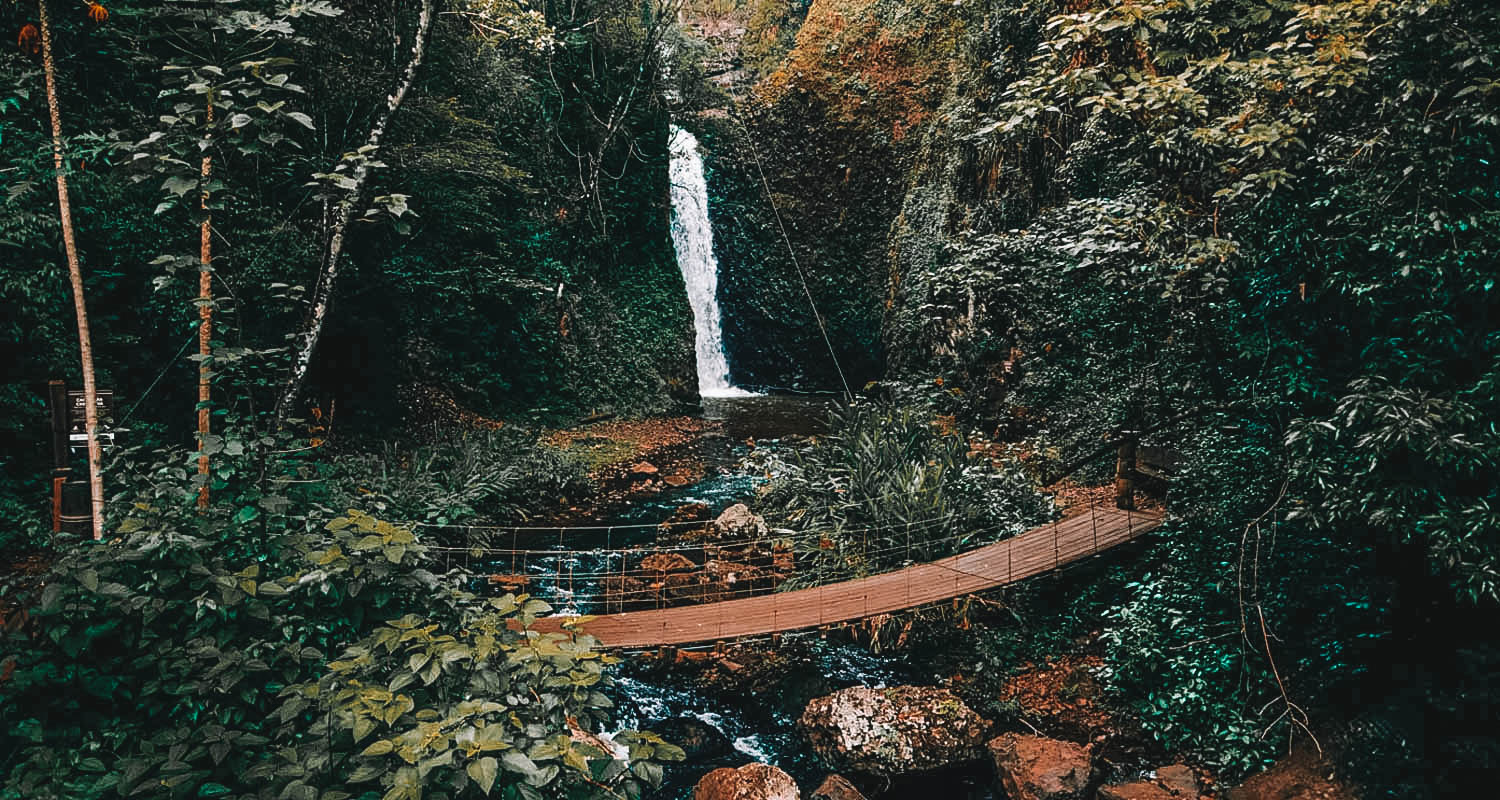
{"points": [[760, 725], [693, 239]]}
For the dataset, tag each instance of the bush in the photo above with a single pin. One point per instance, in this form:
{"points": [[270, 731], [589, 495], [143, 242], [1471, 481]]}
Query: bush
{"points": [[203, 654], [890, 485], [498, 476]]}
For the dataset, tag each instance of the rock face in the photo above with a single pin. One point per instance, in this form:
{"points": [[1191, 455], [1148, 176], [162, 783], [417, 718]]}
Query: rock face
{"points": [[892, 731], [1037, 768], [738, 521], [836, 787], [698, 739], [750, 782]]}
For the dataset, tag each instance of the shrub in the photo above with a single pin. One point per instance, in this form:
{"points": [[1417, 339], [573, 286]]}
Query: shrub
{"points": [[498, 476], [890, 485], [198, 655]]}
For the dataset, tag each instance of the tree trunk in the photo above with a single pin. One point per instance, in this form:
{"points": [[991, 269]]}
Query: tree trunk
{"points": [[343, 213], [205, 312], [75, 276]]}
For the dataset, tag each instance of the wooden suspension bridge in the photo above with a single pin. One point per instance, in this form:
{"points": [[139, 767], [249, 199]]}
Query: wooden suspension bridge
{"points": [[1041, 549]]}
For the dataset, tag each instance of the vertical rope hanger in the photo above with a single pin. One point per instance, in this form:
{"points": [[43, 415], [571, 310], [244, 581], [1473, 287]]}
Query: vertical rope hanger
{"points": [[787, 240]]}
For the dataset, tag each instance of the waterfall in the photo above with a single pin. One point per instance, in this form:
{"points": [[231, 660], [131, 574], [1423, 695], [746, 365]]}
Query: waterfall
{"points": [[693, 239]]}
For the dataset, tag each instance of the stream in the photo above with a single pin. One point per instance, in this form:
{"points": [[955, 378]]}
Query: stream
{"points": [[760, 725], [755, 711]]}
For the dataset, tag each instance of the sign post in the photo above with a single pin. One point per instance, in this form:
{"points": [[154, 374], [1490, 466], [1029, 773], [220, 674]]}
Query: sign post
{"points": [[71, 503]]}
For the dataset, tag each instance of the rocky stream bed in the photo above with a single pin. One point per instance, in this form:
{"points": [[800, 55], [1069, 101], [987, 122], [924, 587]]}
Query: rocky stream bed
{"points": [[827, 717]]}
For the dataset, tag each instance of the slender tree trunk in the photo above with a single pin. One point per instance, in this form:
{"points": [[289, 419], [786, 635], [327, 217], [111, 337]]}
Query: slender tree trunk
{"points": [[205, 311], [75, 275], [323, 292]]}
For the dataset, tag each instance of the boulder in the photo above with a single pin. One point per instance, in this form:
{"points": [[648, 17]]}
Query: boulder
{"points": [[1038, 768], [667, 562], [688, 512], [730, 572], [836, 787], [750, 782], [718, 580], [739, 522], [1176, 782], [691, 588], [644, 469], [1137, 790], [783, 561], [1179, 780], [1304, 774], [892, 731], [698, 739]]}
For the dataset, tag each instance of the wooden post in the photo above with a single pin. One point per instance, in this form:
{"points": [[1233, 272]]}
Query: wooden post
{"points": [[1125, 475], [57, 493]]}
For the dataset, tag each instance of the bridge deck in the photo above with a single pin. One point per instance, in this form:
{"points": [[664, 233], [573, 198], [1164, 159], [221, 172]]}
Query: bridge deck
{"points": [[1031, 553]]}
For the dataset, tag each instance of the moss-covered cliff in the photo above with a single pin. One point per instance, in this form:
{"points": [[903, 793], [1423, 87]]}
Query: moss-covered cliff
{"points": [[832, 118]]}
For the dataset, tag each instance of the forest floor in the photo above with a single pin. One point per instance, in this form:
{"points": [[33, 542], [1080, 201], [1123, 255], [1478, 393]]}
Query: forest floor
{"points": [[628, 460]]}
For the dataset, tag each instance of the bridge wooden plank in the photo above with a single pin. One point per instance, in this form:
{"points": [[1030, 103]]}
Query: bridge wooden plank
{"points": [[1034, 552]]}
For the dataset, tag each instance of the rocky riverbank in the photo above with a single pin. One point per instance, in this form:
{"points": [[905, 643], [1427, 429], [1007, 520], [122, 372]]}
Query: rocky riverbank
{"points": [[874, 738], [817, 737]]}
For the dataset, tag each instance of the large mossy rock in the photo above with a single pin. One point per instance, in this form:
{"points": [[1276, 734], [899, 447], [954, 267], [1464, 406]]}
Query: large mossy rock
{"points": [[892, 731], [739, 522]]}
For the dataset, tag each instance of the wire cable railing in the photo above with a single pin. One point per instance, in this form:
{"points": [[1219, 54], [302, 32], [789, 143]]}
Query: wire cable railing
{"points": [[615, 580]]}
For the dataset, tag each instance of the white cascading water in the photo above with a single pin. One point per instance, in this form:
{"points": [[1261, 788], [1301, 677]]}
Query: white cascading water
{"points": [[693, 239]]}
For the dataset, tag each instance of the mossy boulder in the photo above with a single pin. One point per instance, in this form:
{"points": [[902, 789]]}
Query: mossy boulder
{"points": [[893, 731]]}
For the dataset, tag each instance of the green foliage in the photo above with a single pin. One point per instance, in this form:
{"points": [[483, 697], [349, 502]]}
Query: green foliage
{"points": [[267, 654], [1274, 223], [887, 486], [497, 476], [453, 277]]}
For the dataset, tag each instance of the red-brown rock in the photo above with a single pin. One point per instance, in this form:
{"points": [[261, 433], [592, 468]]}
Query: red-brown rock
{"points": [[667, 562], [837, 787], [1038, 768], [750, 782], [1138, 790], [1179, 780], [1175, 782]]}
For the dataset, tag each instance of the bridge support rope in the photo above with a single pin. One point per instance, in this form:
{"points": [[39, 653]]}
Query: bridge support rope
{"points": [[1010, 560]]}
